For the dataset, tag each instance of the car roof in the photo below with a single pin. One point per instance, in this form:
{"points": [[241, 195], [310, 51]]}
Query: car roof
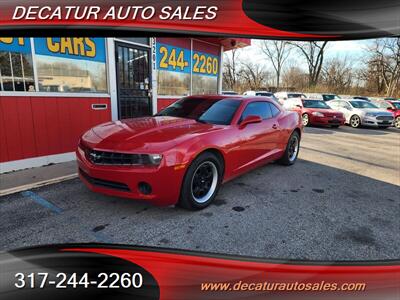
{"points": [[233, 97]]}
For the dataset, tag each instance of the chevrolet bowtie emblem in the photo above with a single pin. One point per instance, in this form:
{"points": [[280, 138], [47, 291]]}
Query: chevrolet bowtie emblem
{"points": [[94, 156]]}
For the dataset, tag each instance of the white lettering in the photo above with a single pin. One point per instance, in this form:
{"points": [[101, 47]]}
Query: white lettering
{"points": [[21, 10]]}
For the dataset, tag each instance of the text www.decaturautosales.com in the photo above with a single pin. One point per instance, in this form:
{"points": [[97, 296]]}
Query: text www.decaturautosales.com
{"points": [[321, 286]]}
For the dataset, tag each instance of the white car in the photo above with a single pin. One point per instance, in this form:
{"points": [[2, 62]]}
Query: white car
{"points": [[259, 93], [283, 96], [231, 93], [361, 112], [324, 96]]}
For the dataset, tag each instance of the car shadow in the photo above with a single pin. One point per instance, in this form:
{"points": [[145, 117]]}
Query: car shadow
{"points": [[349, 130]]}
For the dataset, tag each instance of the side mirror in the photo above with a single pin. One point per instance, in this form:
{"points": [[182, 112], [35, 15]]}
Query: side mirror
{"points": [[299, 106], [391, 109], [250, 120]]}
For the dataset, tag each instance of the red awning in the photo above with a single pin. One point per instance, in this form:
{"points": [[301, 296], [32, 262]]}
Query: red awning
{"points": [[229, 43]]}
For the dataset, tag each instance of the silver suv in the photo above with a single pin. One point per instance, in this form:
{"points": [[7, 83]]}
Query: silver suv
{"points": [[361, 112]]}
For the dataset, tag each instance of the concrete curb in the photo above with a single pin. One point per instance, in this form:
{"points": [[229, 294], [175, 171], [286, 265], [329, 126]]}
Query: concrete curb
{"points": [[26, 187]]}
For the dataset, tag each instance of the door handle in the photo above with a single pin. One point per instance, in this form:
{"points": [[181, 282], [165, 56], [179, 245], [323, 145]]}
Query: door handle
{"points": [[275, 126]]}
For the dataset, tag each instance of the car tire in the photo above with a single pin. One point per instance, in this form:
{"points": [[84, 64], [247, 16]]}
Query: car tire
{"points": [[397, 122], [205, 171], [355, 121], [290, 155], [305, 119]]}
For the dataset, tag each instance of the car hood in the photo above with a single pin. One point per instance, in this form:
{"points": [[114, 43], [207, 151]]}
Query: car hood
{"points": [[375, 110], [325, 111], [146, 135]]}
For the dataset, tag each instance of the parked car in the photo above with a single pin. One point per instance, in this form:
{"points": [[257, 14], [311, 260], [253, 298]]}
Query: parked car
{"points": [[392, 106], [259, 93], [361, 98], [361, 112], [232, 93], [283, 96], [183, 154], [329, 97], [324, 96], [315, 112]]}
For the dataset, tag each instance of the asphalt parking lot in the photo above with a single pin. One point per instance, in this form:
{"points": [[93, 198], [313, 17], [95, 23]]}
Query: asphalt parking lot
{"points": [[339, 202]]}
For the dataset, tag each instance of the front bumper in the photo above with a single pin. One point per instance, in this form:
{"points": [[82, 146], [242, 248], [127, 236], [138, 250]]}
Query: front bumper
{"points": [[326, 121], [376, 122], [123, 181]]}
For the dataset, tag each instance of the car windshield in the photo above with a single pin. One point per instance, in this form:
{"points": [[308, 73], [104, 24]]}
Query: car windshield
{"points": [[296, 95], [315, 104], [213, 111], [362, 104], [396, 104], [330, 97]]}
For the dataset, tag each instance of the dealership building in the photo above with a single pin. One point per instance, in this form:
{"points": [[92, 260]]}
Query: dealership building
{"points": [[54, 89]]}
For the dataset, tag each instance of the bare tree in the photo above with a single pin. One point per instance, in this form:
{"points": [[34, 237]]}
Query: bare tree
{"points": [[230, 74], [337, 75], [253, 75], [313, 52], [385, 64], [277, 52], [294, 78]]}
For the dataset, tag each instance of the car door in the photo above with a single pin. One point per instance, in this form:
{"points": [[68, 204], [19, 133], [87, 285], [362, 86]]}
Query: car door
{"points": [[346, 109], [338, 105], [258, 140]]}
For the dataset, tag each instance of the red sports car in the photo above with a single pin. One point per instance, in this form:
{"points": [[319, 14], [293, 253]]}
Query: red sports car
{"points": [[318, 112], [183, 154], [393, 106]]}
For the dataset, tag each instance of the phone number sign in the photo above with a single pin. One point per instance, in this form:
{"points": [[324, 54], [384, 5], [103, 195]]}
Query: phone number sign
{"points": [[177, 59]]}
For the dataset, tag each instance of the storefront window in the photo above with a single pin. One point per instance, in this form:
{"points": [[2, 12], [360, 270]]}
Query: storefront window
{"points": [[186, 67], [205, 61], [176, 84], [173, 68], [16, 69], [71, 65], [203, 85]]}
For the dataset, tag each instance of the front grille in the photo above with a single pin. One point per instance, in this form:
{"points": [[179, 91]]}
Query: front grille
{"points": [[116, 158], [335, 121], [105, 183], [332, 115], [384, 118]]}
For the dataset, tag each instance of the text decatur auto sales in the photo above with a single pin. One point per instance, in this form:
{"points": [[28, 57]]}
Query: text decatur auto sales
{"points": [[71, 12]]}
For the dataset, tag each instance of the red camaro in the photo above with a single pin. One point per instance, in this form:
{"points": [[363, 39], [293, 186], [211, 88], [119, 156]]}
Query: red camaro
{"points": [[183, 154]]}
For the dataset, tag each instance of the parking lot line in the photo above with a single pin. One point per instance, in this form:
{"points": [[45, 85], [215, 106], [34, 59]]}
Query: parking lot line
{"points": [[41, 201]]}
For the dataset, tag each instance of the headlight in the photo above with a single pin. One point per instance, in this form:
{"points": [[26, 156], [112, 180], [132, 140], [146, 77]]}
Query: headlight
{"points": [[370, 115], [317, 114], [155, 159]]}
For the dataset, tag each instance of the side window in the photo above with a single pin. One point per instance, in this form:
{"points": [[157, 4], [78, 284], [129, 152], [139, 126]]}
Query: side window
{"points": [[257, 109], [274, 110], [346, 105]]}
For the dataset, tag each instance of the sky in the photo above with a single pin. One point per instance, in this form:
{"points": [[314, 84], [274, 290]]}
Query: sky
{"points": [[353, 50]]}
